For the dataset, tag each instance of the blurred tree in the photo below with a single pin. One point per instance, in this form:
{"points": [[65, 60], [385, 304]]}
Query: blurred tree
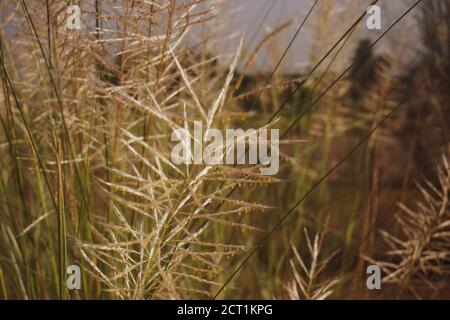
{"points": [[435, 33], [366, 71], [427, 116]]}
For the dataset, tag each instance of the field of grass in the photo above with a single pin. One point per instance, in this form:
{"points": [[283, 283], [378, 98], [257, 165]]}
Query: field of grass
{"points": [[87, 179]]}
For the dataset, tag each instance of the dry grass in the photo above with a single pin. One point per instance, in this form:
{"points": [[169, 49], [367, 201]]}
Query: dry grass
{"points": [[420, 254], [86, 176]]}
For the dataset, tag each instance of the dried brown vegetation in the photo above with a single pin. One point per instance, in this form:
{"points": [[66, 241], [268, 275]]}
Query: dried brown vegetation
{"points": [[86, 176]]}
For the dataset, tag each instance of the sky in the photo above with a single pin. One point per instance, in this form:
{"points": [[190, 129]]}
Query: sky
{"points": [[254, 19], [330, 19]]}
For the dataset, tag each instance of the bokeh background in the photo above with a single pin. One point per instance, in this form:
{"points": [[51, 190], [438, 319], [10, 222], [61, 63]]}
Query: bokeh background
{"points": [[85, 171]]}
